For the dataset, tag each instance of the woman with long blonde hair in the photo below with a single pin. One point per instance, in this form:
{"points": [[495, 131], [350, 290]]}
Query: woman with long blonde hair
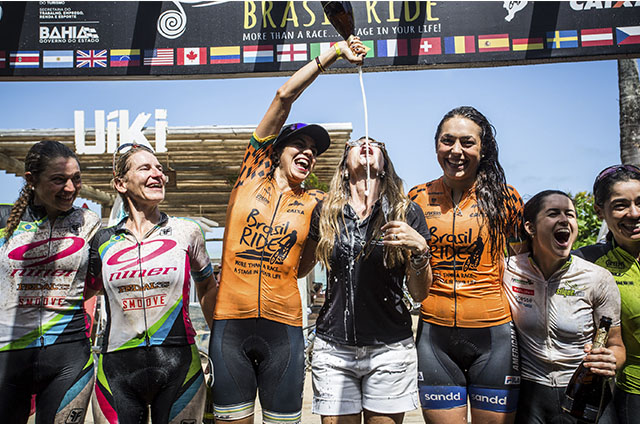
{"points": [[370, 238]]}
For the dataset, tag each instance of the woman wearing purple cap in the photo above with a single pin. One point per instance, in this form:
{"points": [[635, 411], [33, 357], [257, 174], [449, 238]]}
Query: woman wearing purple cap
{"points": [[256, 338]]}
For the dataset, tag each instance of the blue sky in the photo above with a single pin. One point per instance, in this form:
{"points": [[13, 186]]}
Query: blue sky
{"points": [[557, 124]]}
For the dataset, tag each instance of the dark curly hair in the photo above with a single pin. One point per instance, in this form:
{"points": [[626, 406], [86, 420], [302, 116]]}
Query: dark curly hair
{"points": [[491, 184], [36, 162]]}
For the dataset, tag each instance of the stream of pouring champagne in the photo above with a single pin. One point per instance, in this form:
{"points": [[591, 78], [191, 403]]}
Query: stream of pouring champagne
{"points": [[340, 14]]}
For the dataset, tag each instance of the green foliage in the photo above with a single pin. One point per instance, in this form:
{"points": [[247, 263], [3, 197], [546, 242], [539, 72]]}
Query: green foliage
{"points": [[588, 222], [312, 181]]}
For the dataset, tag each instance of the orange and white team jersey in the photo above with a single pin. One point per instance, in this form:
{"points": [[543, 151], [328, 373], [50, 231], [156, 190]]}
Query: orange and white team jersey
{"points": [[467, 281], [266, 230]]}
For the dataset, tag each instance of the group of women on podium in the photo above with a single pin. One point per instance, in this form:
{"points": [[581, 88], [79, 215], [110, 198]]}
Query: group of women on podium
{"points": [[508, 311]]}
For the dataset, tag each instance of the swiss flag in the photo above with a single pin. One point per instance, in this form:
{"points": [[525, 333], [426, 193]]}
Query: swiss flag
{"points": [[422, 46], [192, 56]]}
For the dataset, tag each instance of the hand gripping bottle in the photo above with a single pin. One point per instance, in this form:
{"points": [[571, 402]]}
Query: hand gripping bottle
{"points": [[587, 393]]}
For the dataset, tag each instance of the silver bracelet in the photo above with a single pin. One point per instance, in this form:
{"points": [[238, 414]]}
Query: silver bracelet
{"points": [[421, 260]]}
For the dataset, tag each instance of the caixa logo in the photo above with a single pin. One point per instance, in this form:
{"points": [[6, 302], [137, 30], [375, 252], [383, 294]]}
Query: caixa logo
{"points": [[123, 258], [40, 253]]}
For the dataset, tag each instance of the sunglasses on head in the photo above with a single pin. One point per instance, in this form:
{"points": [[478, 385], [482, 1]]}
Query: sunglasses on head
{"points": [[612, 170], [123, 148], [360, 142]]}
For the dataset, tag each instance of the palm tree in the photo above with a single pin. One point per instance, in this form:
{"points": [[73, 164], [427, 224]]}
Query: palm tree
{"points": [[629, 87]]}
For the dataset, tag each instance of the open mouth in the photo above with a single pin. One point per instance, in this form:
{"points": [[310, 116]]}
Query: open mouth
{"points": [[562, 236], [155, 185], [632, 227], [456, 163], [364, 150], [303, 163]]}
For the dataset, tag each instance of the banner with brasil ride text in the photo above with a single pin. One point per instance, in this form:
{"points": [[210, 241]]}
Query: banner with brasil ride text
{"points": [[99, 40]]}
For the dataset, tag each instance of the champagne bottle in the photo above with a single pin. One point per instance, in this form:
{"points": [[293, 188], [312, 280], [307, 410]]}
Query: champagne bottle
{"points": [[587, 393], [340, 14]]}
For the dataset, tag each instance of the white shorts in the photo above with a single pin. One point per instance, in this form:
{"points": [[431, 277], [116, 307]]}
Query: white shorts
{"points": [[348, 379]]}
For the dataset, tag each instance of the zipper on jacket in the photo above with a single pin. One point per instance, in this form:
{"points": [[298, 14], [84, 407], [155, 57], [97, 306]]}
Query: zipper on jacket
{"points": [[273, 218], [147, 342], [41, 306], [455, 265]]}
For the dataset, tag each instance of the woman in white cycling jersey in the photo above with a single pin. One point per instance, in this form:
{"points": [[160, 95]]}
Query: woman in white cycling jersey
{"points": [[145, 263], [44, 253], [557, 300]]}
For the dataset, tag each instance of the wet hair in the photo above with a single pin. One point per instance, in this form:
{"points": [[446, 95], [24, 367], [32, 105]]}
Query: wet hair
{"points": [[40, 155], [391, 188], [491, 185], [274, 157], [534, 206], [603, 184], [123, 164]]}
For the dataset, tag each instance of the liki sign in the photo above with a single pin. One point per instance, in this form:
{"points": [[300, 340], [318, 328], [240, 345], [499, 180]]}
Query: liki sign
{"points": [[118, 131]]}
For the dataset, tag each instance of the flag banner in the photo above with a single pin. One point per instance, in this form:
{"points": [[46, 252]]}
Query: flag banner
{"points": [[596, 37], [158, 57], [91, 58], [291, 52], [57, 59], [392, 48], [520, 44], [125, 57], [628, 35], [193, 39], [258, 54], [460, 44], [424, 46], [493, 43], [192, 56], [24, 59], [229, 54]]}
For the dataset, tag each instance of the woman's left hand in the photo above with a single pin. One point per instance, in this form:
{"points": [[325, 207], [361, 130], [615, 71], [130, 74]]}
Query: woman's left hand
{"points": [[600, 360], [401, 234]]}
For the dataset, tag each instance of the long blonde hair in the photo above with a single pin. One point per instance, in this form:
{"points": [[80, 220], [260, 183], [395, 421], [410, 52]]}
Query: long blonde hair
{"points": [[394, 208]]}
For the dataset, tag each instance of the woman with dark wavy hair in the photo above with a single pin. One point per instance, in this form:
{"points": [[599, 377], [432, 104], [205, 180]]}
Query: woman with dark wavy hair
{"points": [[44, 255], [466, 343], [364, 358], [616, 193]]}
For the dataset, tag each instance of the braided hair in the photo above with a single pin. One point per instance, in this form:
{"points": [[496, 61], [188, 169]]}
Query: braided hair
{"points": [[491, 185], [36, 161]]}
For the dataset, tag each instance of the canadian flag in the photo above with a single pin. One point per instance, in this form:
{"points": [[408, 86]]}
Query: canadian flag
{"points": [[192, 56]]}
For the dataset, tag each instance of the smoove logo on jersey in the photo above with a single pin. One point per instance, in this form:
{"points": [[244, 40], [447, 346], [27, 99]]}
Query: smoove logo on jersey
{"points": [[134, 259], [272, 243], [148, 302], [40, 253], [29, 301]]}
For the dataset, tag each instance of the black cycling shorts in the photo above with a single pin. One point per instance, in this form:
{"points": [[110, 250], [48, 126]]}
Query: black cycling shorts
{"points": [[252, 355], [60, 375], [482, 363], [169, 379], [540, 404]]}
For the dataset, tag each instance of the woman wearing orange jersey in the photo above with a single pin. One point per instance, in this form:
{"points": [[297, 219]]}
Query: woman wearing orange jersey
{"points": [[256, 338], [466, 343]]}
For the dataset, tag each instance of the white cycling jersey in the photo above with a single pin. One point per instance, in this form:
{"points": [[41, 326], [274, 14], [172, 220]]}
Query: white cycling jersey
{"points": [[44, 267], [147, 282], [555, 318]]}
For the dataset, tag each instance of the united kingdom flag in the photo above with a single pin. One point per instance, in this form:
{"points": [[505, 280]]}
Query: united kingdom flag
{"points": [[91, 59]]}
